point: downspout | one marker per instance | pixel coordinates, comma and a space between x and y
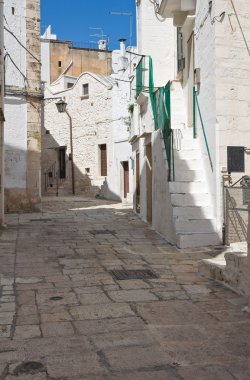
2, 119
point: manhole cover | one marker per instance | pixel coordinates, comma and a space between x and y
102, 232
56, 298
29, 368
139, 274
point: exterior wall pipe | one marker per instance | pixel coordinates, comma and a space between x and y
2, 112
72, 153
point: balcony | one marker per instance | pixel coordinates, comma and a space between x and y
177, 9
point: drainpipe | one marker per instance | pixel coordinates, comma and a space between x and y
2, 113
72, 153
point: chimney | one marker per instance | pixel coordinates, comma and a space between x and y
102, 45
123, 60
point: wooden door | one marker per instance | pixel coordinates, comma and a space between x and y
62, 163
103, 159
126, 178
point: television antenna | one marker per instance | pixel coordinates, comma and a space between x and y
130, 15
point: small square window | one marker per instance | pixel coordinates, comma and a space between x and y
85, 89
69, 85
87, 170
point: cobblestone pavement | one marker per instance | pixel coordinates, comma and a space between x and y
63, 315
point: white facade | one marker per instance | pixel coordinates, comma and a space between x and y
15, 128
100, 118
22, 105
188, 210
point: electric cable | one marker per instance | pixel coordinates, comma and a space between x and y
20, 43
7, 55
238, 20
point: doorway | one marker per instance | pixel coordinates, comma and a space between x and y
137, 191
125, 178
149, 181
62, 162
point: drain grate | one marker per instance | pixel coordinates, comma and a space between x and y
138, 274
56, 298
41, 220
102, 232
29, 368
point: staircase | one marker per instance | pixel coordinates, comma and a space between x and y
192, 211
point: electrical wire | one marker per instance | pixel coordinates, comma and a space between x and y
20, 43
7, 55
238, 20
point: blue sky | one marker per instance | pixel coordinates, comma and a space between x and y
71, 20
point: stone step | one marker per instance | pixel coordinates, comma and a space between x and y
189, 145
190, 199
197, 240
187, 155
213, 268
192, 212
188, 187
189, 175
187, 134
182, 164
195, 226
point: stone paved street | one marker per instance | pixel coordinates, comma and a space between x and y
63, 315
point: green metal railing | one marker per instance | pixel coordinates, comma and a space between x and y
140, 75
196, 105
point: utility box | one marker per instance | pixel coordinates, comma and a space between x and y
236, 159
245, 183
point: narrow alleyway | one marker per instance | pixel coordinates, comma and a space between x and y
64, 315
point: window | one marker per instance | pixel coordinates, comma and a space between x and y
85, 89
103, 159
69, 85
13, 10
59, 63
180, 58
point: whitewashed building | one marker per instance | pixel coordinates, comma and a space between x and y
98, 107
22, 105
200, 48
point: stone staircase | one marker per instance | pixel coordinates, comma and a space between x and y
192, 211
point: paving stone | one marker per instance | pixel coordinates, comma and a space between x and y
109, 325
167, 374
91, 299
132, 295
5, 331
133, 284
124, 358
71, 365
57, 329
206, 373
27, 332
110, 310
125, 338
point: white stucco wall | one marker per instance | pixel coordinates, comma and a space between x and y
156, 39
15, 127
92, 126
17, 24
45, 59
15, 142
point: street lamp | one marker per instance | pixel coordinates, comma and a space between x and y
61, 106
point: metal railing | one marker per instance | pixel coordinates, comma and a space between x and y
236, 215
52, 178
196, 104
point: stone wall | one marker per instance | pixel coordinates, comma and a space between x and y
95, 61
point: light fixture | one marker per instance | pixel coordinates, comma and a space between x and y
61, 106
